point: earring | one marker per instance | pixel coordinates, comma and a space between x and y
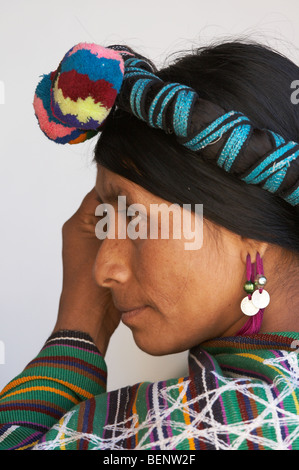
256, 299
260, 297
247, 306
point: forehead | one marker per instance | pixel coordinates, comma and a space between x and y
110, 185
106, 177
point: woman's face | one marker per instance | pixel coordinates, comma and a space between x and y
190, 295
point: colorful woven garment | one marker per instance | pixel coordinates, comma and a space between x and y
241, 393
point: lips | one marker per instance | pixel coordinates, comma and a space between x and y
123, 309
129, 315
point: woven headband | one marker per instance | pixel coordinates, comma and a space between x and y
73, 102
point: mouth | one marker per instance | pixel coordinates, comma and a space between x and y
129, 315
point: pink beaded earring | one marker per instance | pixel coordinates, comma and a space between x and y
257, 298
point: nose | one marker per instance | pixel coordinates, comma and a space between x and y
112, 263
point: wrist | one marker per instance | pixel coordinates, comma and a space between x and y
83, 317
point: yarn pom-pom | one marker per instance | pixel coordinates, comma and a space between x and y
72, 103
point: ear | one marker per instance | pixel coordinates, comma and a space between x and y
253, 247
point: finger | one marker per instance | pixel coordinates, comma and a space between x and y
89, 202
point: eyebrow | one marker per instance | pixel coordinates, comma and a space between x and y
112, 194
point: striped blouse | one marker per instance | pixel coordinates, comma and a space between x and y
240, 393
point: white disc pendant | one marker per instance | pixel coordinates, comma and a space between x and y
260, 299
248, 308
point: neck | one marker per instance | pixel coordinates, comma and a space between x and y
282, 312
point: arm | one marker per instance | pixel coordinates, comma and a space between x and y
57, 378
68, 370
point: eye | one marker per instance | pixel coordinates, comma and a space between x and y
132, 217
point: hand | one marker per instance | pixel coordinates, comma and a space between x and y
84, 305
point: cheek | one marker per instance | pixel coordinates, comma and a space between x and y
162, 268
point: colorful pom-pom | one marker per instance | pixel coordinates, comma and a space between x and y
73, 102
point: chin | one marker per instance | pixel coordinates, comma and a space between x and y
156, 347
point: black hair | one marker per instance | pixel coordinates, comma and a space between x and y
241, 75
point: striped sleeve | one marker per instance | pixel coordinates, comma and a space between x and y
68, 370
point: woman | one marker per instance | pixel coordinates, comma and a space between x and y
241, 391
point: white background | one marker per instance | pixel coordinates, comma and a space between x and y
42, 183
